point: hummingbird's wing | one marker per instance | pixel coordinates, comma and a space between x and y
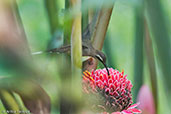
91, 28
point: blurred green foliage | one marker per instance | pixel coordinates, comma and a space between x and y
121, 39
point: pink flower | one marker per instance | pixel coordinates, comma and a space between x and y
146, 98
109, 93
130, 110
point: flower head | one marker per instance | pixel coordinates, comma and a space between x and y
108, 93
130, 110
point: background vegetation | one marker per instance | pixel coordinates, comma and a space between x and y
125, 46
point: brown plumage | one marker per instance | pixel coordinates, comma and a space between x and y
87, 50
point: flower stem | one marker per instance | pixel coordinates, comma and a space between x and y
76, 55
160, 33
151, 64
138, 57
52, 12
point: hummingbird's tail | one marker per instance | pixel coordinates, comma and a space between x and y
63, 49
37, 53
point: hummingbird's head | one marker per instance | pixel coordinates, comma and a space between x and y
102, 58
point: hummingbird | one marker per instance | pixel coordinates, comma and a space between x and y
87, 50
87, 47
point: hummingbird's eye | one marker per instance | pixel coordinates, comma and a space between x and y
99, 57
